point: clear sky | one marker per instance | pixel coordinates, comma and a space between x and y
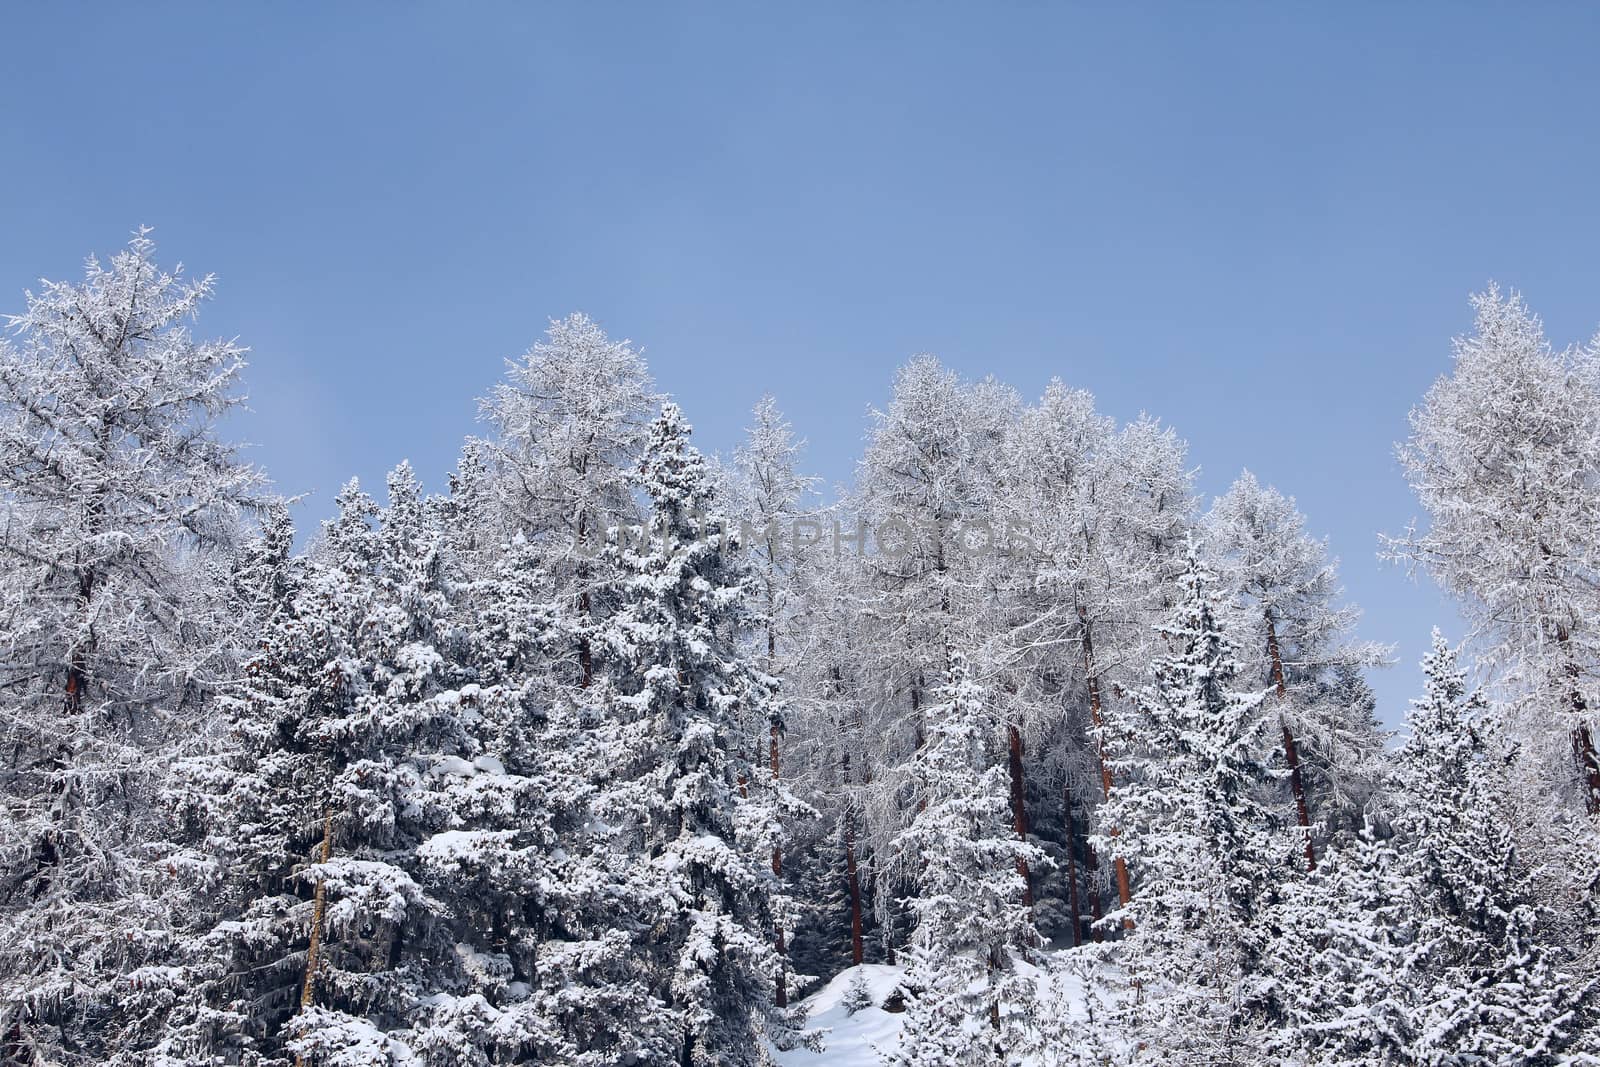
1260, 222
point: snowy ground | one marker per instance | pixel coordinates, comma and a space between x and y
850, 1040
859, 1040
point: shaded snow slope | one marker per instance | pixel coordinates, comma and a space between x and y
857, 1040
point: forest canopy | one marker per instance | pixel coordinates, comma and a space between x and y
615, 753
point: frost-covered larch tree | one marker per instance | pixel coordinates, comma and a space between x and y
570, 421
771, 495
1287, 589
967, 1003
1205, 847
1104, 511
1504, 456
685, 820
929, 471
122, 507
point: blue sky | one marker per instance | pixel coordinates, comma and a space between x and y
1260, 222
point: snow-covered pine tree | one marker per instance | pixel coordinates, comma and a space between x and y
967, 1003
1299, 637
1206, 849
679, 853
122, 509
857, 995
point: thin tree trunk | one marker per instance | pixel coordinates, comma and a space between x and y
921, 734
852, 875
782, 997
1097, 715
857, 953
1583, 750
585, 609
1291, 752
1072, 863
1019, 808
585, 649
1091, 860
313, 950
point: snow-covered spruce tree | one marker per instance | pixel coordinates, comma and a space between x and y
1299, 637
1492, 989
122, 508
386, 822
1336, 974
967, 1003
1429, 947
682, 915
1207, 852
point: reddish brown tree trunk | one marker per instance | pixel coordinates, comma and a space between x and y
1582, 740
1297, 782
1291, 753
1097, 715
854, 886
1019, 808
1583, 751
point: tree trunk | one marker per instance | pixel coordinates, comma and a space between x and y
1097, 716
921, 734
1291, 753
1582, 740
1019, 808
1072, 863
782, 997
1583, 751
1091, 860
585, 609
1297, 782
313, 950
78, 658
854, 885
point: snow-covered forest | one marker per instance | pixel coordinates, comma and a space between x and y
1015, 751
